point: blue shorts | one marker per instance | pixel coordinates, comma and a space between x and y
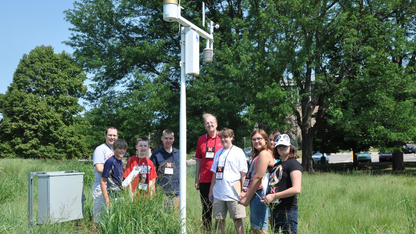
259, 212
287, 220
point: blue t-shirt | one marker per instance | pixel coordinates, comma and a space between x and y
113, 170
167, 168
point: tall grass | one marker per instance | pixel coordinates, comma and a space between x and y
330, 202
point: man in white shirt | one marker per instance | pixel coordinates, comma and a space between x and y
101, 154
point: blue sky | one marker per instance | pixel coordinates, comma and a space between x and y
25, 24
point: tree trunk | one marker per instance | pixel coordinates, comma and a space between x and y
397, 161
307, 139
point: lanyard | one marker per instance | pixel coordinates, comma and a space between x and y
250, 171
225, 160
147, 168
215, 142
253, 164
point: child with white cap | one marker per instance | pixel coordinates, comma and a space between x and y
285, 183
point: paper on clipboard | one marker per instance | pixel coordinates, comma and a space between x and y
136, 170
236, 191
237, 188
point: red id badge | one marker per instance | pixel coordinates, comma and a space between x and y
219, 175
169, 169
210, 153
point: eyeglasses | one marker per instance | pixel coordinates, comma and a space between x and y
256, 139
209, 123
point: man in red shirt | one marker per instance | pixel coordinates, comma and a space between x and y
208, 144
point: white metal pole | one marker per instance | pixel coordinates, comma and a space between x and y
182, 133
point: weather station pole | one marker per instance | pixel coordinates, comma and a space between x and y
189, 66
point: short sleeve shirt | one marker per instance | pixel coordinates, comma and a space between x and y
288, 203
163, 162
113, 170
101, 154
147, 172
234, 162
205, 141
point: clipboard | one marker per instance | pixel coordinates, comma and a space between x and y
236, 191
237, 188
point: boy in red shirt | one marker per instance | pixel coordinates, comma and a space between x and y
145, 181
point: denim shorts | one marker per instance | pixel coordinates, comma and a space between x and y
259, 212
287, 220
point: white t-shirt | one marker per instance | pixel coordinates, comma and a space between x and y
101, 154
235, 163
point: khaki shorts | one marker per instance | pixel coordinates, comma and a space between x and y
219, 209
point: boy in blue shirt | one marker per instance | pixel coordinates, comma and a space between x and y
112, 175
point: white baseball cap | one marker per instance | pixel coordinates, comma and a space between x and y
283, 139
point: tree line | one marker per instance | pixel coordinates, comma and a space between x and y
341, 71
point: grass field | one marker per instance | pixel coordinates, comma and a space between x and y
333, 200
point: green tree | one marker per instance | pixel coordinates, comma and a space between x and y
375, 99
40, 109
330, 45
122, 42
273, 59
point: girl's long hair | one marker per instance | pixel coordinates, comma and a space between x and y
254, 151
292, 153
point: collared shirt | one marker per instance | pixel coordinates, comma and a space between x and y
206, 163
163, 160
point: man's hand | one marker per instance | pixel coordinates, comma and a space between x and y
197, 185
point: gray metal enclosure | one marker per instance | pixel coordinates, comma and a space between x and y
60, 196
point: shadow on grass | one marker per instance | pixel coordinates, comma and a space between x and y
373, 168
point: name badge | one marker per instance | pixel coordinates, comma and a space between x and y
219, 175
168, 171
209, 155
143, 186
246, 182
210, 152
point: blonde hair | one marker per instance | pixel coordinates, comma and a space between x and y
206, 115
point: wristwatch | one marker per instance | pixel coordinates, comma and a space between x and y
244, 190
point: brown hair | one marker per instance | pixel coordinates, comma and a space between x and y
168, 131
106, 130
142, 138
226, 132
120, 144
292, 154
263, 134
274, 134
